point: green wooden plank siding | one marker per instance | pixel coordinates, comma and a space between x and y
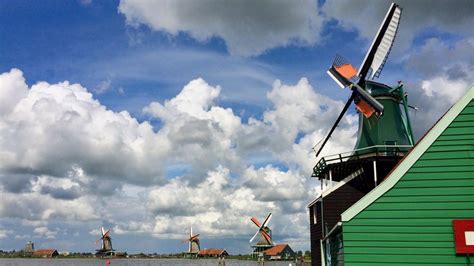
411, 224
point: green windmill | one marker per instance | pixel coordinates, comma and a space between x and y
384, 137
381, 120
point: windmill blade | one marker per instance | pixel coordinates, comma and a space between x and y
267, 220
338, 78
344, 110
381, 45
367, 104
194, 237
251, 239
102, 230
256, 222
267, 236
106, 233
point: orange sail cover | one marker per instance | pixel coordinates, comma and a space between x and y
347, 71
365, 108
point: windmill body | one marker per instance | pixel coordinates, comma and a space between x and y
384, 137
390, 128
106, 249
193, 244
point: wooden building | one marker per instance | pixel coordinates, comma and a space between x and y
279, 252
45, 253
408, 218
213, 252
378, 149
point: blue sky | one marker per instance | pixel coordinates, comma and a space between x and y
197, 114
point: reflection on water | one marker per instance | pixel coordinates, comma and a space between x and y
134, 262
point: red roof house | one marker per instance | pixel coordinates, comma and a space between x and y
279, 252
213, 252
45, 253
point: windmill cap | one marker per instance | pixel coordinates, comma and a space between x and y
377, 89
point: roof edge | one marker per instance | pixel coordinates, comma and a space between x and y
410, 159
335, 187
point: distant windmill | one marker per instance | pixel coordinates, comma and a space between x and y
193, 241
106, 249
265, 241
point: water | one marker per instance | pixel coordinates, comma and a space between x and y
134, 262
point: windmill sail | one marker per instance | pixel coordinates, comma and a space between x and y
381, 45
263, 229
106, 247
193, 242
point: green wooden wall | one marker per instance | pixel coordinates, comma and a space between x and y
411, 224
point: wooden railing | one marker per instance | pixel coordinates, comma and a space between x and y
372, 151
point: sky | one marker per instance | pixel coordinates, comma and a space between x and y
149, 117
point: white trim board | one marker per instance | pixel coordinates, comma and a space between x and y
410, 159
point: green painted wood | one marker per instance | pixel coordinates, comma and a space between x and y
407, 237
458, 131
455, 137
460, 154
437, 175
376, 222
437, 198
400, 229
465, 181
446, 162
425, 206
432, 259
431, 191
438, 169
463, 118
401, 250
406, 214
397, 264
466, 124
463, 145
397, 244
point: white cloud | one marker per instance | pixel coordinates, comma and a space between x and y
13, 88
446, 16
445, 72
247, 27
4, 233
195, 101
45, 232
78, 161
103, 86
220, 206
34, 206
56, 128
